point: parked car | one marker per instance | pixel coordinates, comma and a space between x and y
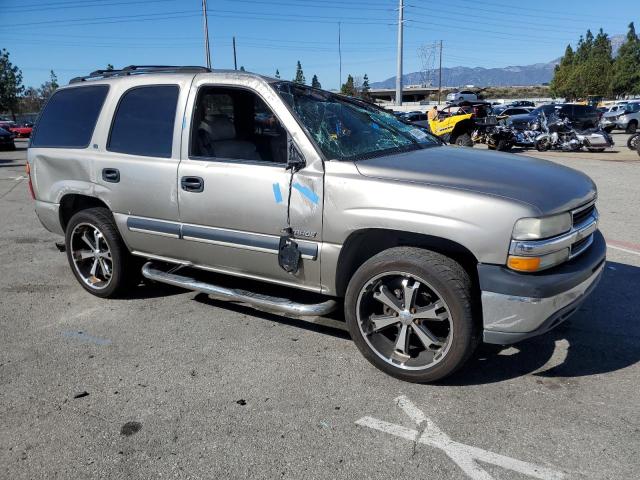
417, 118
626, 117
580, 116
6, 140
507, 111
462, 96
432, 248
521, 103
22, 129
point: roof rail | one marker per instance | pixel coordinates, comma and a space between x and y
139, 69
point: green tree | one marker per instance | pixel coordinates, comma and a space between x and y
299, 74
561, 85
315, 83
109, 66
10, 84
242, 68
348, 88
47, 88
277, 73
597, 69
364, 90
625, 78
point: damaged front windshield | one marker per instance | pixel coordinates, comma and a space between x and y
350, 129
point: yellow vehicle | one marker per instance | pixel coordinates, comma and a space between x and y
455, 123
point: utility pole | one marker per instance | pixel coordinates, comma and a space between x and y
235, 60
440, 74
207, 52
399, 71
340, 57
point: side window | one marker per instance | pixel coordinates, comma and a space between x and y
236, 124
144, 120
69, 118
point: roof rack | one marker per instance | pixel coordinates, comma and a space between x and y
139, 69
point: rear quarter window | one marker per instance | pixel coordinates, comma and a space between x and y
144, 120
69, 117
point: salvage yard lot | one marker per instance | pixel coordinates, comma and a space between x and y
169, 383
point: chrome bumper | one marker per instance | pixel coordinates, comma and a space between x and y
509, 319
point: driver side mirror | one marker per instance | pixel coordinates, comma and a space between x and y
295, 160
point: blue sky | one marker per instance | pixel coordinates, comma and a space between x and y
74, 37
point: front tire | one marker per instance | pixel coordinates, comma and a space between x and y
543, 145
410, 313
633, 141
464, 140
504, 146
96, 253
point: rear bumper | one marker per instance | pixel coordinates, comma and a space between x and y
518, 306
48, 214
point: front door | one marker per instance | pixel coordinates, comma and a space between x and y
234, 186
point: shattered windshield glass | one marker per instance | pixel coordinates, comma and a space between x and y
349, 129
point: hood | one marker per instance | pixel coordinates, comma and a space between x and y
613, 114
543, 184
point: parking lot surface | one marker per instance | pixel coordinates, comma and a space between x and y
169, 384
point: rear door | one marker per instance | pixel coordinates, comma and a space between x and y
136, 167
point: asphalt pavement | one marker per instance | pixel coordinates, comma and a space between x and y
170, 384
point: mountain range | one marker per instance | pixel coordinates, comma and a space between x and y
535, 74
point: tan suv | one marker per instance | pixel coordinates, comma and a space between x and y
431, 248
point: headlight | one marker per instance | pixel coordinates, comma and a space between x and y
539, 228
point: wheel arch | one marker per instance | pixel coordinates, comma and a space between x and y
463, 126
72, 203
364, 244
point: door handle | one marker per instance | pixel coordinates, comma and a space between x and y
111, 175
192, 184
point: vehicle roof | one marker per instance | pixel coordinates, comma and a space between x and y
146, 77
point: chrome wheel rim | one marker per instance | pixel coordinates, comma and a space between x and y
404, 320
91, 256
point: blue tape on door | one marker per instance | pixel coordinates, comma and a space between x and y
277, 194
307, 192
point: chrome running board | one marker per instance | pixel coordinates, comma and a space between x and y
258, 301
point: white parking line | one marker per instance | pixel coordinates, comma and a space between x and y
465, 456
634, 252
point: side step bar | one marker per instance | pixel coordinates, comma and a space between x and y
255, 300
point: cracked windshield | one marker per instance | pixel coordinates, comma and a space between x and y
347, 129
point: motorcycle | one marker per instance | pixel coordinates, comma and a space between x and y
557, 134
497, 137
526, 137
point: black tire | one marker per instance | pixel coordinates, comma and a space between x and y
504, 146
633, 141
123, 265
543, 145
448, 280
632, 127
464, 140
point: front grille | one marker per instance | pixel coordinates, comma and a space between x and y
581, 245
580, 215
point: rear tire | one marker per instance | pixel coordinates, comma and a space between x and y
464, 140
504, 146
425, 295
97, 254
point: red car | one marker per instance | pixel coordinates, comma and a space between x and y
22, 130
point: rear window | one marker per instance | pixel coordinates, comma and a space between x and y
69, 117
143, 123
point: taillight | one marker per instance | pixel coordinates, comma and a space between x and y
28, 170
